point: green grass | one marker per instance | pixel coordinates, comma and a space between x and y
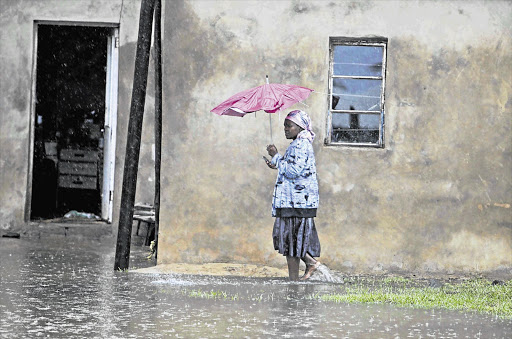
212, 295
473, 295
261, 297
396, 280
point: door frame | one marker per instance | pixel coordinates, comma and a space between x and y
111, 106
110, 127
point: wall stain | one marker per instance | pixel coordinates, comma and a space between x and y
354, 6
410, 206
301, 7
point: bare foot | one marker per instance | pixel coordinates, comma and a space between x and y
310, 269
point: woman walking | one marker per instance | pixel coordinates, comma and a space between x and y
295, 198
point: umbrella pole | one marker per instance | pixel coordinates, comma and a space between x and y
269, 117
270, 120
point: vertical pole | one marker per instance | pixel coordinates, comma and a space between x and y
269, 116
131, 163
158, 115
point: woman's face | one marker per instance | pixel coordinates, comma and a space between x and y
291, 129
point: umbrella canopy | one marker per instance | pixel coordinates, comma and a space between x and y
269, 97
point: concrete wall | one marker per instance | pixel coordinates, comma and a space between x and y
17, 37
436, 198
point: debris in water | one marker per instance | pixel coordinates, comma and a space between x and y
11, 235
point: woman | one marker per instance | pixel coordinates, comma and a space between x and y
295, 197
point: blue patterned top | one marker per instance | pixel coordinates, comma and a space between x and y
296, 184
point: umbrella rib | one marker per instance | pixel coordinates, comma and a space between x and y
275, 98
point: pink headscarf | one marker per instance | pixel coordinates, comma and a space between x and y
302, 119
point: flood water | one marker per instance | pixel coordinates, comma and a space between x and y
63, 289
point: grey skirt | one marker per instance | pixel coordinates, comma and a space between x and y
296, 236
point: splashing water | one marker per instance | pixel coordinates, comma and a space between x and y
323, 273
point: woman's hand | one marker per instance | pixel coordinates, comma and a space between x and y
269, 164
272, 150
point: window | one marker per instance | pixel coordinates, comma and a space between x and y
356, 92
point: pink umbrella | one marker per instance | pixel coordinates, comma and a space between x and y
269, 97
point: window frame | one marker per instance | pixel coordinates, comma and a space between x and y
362, 41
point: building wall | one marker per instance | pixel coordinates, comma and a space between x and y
436, 198
17, 39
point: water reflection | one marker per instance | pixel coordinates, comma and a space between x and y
62, 290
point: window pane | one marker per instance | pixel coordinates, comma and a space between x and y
355, 121
341, 120
356, 136
357, 94
355, 128
369, 121
358, 60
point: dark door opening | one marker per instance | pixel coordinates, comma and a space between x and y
69, 120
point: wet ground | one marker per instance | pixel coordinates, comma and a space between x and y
65, 288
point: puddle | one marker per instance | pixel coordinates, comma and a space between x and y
60, 289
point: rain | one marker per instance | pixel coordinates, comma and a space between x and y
61, 287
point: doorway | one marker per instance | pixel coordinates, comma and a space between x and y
74, 122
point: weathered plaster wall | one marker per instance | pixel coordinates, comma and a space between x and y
436, 198
17, 55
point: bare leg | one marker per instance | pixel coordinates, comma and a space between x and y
311, 266
293, 267
308, 259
